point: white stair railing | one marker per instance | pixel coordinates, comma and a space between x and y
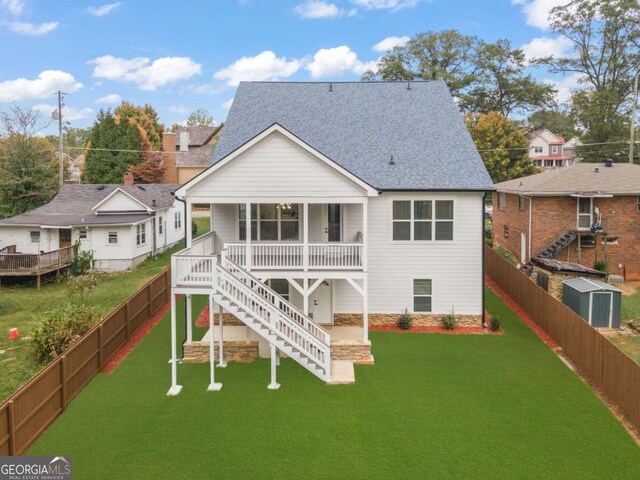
282, 330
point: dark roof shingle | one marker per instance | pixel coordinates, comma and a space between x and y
360, 125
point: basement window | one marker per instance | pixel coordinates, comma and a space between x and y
610, 241
422, 295
587, 241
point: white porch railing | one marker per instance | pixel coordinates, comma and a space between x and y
195, 266
297, 256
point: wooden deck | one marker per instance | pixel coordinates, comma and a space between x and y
13, 264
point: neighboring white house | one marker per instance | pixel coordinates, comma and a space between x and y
121, 224
548, 151
334, 206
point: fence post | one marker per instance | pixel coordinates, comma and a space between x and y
12, 428
149, 299
100, 352
167, 285
127, 312
63, 380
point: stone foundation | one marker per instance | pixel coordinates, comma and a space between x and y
352, 351
198, 352
419, 319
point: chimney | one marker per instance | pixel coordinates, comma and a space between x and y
128, 180
608, 162
169, 157
184, 141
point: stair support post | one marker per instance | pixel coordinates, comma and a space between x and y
213, 386
221, 362
274, 385
189, 316
175, 388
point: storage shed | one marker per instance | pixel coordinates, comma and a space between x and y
595, 301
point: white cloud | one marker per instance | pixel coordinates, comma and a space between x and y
227, 105
389, 43
68, 113
393, 5
139, 71
14, 7
103, 10
314, 9
179, 109
337, 61
111, 98
264, 66
536, 12
565, 86
32, 29
42, 87
545, 47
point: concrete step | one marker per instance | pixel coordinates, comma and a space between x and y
342, 373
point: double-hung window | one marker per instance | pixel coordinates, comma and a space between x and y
422, 294
35, 236
113, 238
421, 220
141, 234
82, 234
160, 225
177, 220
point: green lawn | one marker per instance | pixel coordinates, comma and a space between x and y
630, 311
433, 406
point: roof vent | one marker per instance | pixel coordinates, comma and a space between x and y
408, 85
331, 87
608, 162
153, 202
391, 161
141, 188
100, 187
596, 170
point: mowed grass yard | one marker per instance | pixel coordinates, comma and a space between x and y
21, 306
630, 311
433, 406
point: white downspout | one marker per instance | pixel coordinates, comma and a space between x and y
530, 221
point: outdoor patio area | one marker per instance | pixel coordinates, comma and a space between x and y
432, 406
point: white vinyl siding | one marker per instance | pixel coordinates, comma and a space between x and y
121, 202
276, 167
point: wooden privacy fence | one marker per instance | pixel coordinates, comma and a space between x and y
606, 366
29, 411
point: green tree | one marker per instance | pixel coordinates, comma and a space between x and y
74, 140
502, 145
28, 167
555, 121
114, 146
483, 77
503, 86
146, 117
605, 36
200, 118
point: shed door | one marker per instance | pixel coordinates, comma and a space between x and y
601, 309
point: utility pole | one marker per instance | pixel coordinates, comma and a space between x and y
634, 105
60, 152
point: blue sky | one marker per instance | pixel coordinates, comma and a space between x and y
179, 56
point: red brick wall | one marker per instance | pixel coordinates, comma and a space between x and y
554, 215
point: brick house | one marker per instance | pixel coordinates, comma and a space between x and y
586, 213
187, 152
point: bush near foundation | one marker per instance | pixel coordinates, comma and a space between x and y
405, 320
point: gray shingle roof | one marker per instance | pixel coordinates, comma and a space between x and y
360, 125
73, 203
197, 135
195, 157
621, 178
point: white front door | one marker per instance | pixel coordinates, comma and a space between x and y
523, 248
320, 304
332, 222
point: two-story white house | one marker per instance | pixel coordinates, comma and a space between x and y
334, 207
548, 150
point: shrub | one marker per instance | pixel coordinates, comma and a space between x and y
82, 263
494, 322
405, 320
507, 255
60, 328
449, 321
83, 284
601, 265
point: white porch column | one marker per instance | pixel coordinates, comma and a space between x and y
305, 236
365, 308
221, 362
175, 388
305, 295
187, 225
274, 385
213, 386
248, 239
365, 235
189, 318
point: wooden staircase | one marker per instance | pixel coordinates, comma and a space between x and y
557, 245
